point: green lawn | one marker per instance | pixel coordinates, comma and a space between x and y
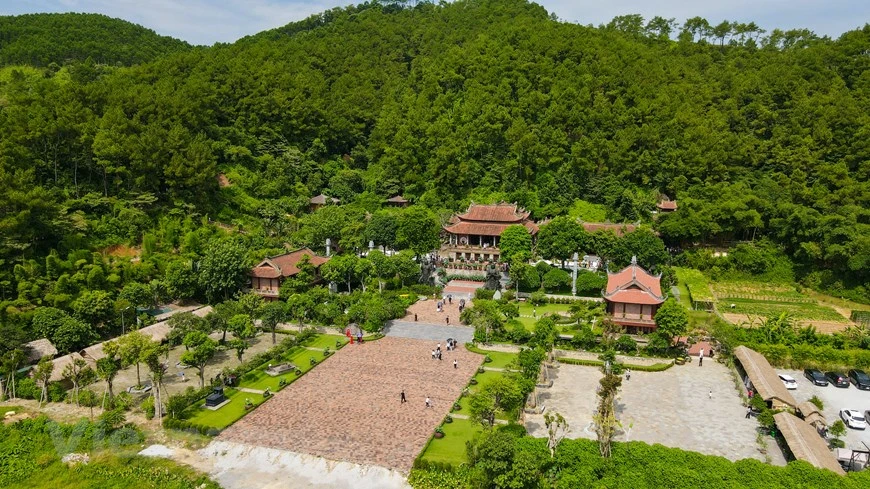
527, 309
258, 379
500, 359
451, 448
325, 340
226, 415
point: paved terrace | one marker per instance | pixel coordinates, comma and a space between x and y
348, 408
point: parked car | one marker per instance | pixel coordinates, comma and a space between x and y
816, 377
838, 379
860, 379
853, 419
788, 381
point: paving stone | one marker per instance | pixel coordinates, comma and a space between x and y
431, 332
348, 408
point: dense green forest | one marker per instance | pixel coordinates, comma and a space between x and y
757, 135
42, 39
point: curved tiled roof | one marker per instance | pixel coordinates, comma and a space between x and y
502, 212
634, 285
285, 265
487, 228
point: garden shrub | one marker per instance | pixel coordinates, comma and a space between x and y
556, 279
538, 298
484, 294
518, 333
626, 344
26, 388
148, 407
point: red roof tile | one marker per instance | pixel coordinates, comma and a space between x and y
502, 212
486, 229
667, 205
634, 285
285, 265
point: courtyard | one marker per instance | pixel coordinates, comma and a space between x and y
348, 408
688, 407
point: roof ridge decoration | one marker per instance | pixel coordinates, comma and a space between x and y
634, 282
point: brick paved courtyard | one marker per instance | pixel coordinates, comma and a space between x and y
348, 408
427, 311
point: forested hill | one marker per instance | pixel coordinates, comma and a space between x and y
41, 39
758, 135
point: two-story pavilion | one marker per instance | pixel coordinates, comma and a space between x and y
474, 234
633, 297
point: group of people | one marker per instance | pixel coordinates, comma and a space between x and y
451, 345
403, 399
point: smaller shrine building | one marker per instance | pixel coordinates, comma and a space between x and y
633, 297
269, 274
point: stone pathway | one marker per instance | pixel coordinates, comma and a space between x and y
588, 355
250, 391
428, 331
427, 311
348, 409
465, 416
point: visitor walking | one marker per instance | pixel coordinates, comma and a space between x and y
628, 374
711, 393
748, 411
403, 397
415, 317
428, 402
701, 357
433, 354
455, 364
448, 319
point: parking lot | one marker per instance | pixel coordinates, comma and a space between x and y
834, 399
689, 407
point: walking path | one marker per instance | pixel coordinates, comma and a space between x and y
250, 391
588, 355
426, 331
465, 416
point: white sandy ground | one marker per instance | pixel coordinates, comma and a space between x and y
239, 466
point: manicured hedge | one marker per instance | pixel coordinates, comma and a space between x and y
658, 367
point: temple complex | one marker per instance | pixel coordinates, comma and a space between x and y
474, 234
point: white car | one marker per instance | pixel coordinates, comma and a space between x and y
853, 419
788, 380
